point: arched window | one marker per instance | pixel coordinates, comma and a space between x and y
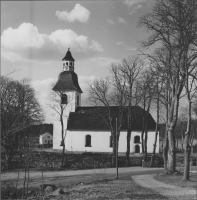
64, 99
88, 141
137, 139
137, 148
110, 141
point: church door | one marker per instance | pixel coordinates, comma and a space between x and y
137, 149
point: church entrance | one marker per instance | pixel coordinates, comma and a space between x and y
137, 148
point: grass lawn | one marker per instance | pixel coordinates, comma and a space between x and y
177, 180
122, 188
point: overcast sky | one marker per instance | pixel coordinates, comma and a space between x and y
35, 36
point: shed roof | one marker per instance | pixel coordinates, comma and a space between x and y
45, 134
67, 81
87, 118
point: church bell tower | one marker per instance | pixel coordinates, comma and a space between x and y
68, 84
68, 61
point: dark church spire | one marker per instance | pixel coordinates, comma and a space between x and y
68, 56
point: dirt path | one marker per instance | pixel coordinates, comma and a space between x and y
52, 173
70, 177
170, 191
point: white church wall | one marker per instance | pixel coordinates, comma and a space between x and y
72, 101
75, 141
57, 134
151, 141
71, 106
100, 141
77, 102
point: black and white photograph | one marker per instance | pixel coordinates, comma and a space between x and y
99, 100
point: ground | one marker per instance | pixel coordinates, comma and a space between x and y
122, 188
125, 187
176, 180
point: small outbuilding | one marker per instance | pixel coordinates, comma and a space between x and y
46, 138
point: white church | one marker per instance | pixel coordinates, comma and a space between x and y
86, 132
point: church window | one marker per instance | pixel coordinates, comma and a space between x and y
70, 64
88, 141
67, 63
110, 141
137, 139
63, 64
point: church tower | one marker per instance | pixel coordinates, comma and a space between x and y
68, 85
68, 82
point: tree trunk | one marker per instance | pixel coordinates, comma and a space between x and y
187, 147
63, 142
63, 151
182, 142
143, 128
114, 151
171, 151
156, 133
145, 145
146, 130
166, 143
8, 156
128, 146
130, 121
142, 139
165, 152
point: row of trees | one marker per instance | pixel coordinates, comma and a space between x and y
131, 83
162, 77
173, 28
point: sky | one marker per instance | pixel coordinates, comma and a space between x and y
35, 36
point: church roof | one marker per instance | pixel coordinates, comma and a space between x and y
67, 81
87, 118
68, 56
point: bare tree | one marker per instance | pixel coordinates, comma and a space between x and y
61, 111
105, 93
128, 72
159, 86
19, 109
147, 88
173, 26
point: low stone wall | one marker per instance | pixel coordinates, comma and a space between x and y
72, 161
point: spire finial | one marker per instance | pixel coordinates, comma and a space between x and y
68, 48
